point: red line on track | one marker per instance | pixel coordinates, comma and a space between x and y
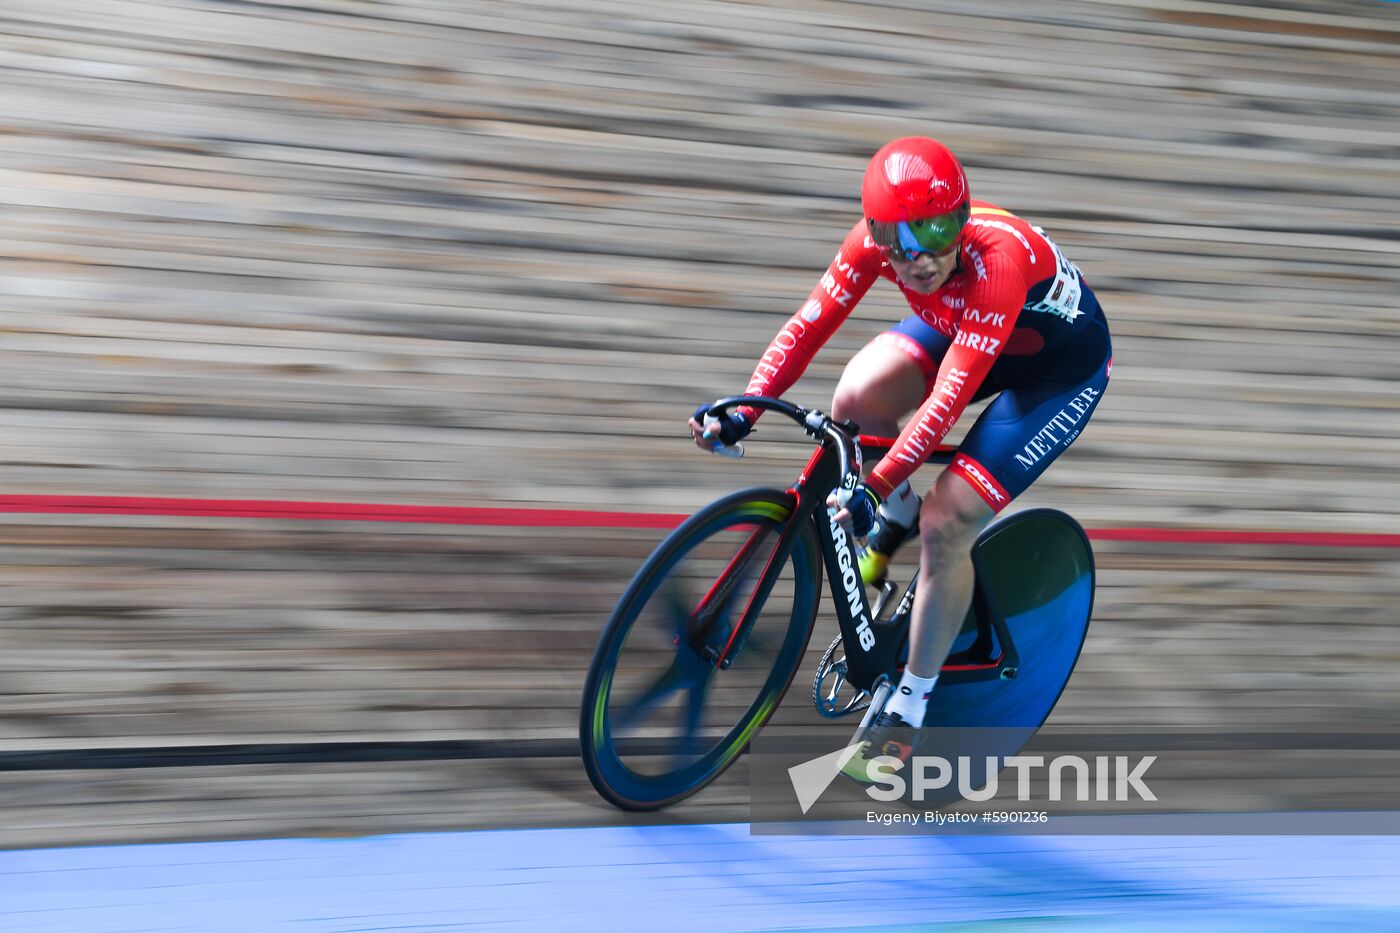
574, 518
335, 511
1222, 536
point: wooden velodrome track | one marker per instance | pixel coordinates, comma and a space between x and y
488, 253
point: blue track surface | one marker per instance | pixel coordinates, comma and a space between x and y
704, 878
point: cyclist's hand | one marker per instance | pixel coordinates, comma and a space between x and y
718, 432
860, 509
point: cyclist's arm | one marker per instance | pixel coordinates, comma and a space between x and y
845, 282
992, 306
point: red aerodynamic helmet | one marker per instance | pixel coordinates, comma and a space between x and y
915, 197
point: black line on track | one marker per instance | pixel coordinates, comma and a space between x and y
297, 753
202, 756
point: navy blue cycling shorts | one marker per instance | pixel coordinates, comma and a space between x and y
1042, 404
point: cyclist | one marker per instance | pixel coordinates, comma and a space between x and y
998, 311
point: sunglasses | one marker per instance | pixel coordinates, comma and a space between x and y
907, 240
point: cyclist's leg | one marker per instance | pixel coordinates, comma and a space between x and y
1020, 433
892, 375
1035, 418
885, 381
952, 516
950, 519
889, 377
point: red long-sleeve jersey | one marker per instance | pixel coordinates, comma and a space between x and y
1005, 266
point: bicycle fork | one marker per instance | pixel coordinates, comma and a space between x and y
729, 585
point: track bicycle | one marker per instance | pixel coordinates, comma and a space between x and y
711, 631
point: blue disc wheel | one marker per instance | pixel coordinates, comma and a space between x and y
1017, 648
1035, 570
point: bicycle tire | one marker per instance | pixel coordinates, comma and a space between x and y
766, 511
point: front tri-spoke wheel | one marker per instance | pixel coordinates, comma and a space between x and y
699, 651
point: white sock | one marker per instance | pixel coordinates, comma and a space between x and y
902, 507
911, 698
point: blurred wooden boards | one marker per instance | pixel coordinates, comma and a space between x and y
173, 632
492, 219
478, 253
193, 631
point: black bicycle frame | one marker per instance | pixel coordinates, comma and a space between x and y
872, 646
